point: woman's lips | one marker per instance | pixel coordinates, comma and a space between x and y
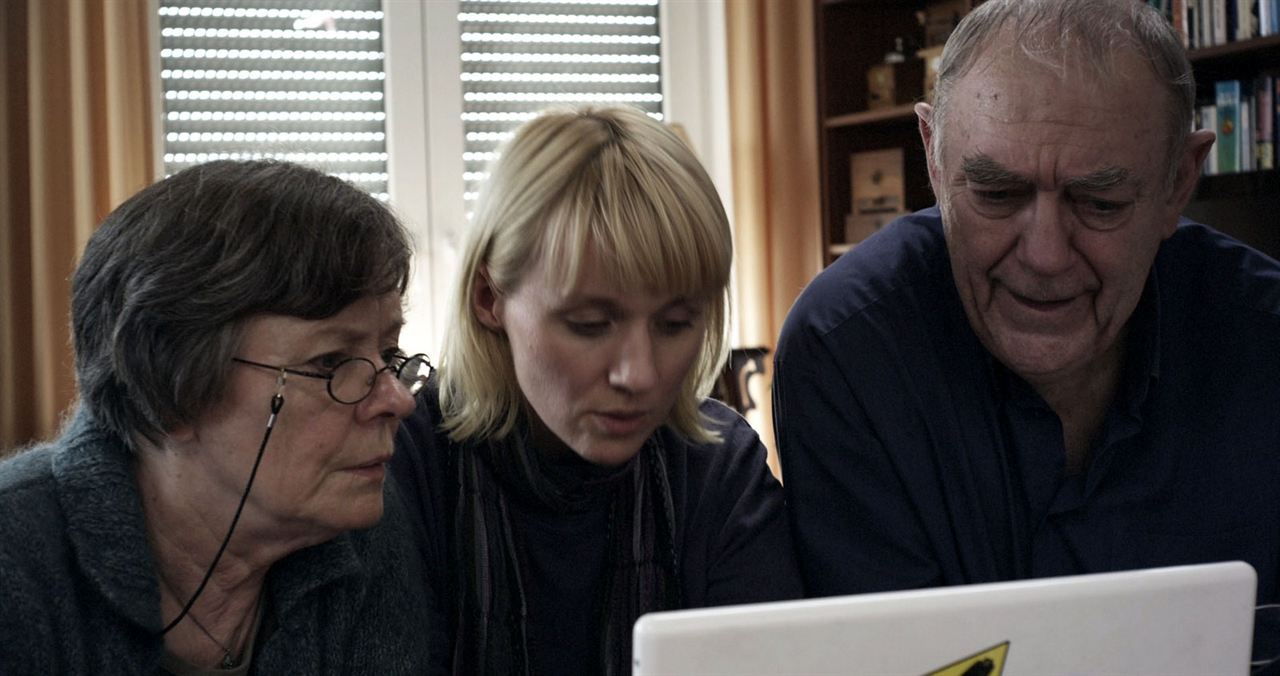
374, 469
621, 423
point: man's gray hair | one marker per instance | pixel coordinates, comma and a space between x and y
1061, 33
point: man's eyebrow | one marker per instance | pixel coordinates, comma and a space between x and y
984, 170
1103, 179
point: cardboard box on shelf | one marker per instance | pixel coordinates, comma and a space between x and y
932, 57
893, 84
940, 18
877, 191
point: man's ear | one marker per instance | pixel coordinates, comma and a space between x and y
1199, 143
924, 119
486, 300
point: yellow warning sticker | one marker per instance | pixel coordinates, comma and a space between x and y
989, 662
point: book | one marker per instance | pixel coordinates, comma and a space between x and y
1197, 26
1209, 120
1204, 27
1227, 102
1244, 132
1264, 96
1219, 22
1192, 22
1178, 16
1275, 117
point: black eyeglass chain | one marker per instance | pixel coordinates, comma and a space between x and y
277, 402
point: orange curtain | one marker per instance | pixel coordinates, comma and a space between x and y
774, 138
75, 140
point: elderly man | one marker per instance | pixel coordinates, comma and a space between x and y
1049, 373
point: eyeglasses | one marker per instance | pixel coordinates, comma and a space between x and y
352, 380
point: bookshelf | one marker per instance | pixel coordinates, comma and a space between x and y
1242, 204
852, 35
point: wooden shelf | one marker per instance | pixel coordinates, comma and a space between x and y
887, 3
1243, 51
1241, 185
904, 111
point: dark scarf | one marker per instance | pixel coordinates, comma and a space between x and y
641, 570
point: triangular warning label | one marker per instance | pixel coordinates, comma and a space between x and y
989, 662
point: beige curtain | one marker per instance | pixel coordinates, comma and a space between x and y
777, 215
75, 140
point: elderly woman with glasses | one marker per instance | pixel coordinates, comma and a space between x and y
569, 472
218, 500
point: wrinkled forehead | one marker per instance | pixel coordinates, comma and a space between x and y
1055, 73
1008, 98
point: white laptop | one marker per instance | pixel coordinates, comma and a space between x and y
1191, 620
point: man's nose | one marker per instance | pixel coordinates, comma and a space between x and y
1045, 246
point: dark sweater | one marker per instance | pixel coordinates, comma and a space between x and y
732, 534
78, 589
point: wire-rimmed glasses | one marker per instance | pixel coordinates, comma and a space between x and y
352, 380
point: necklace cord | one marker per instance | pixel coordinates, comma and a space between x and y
277, 402
228, 661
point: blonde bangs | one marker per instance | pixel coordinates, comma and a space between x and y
651, 234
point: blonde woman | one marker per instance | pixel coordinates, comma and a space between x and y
569, 471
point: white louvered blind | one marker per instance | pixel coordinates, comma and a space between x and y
300, 80
520, 56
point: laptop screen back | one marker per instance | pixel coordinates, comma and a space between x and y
1178, 620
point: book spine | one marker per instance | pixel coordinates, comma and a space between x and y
1244, 136
1265, 106
1209, 120
1178, 15
1275, 115
1193, 24
1228, 105
1219, 23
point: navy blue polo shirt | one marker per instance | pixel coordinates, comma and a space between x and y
912, 459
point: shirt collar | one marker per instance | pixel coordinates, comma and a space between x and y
93, 470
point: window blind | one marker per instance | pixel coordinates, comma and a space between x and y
300, 80
520, 56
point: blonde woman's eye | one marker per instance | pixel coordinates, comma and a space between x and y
675, 326
588, 329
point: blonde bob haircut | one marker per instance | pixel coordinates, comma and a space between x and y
609, 178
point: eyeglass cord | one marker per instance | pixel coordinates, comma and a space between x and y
277, 402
